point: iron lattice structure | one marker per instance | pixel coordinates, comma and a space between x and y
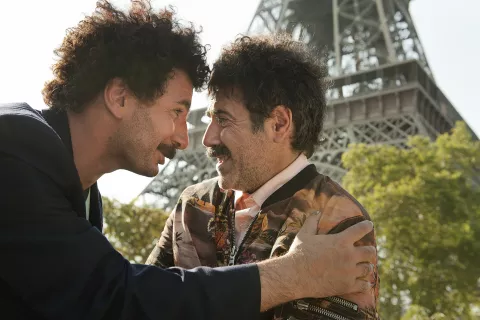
382, 86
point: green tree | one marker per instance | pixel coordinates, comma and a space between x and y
415, 312
131, 229
425, 203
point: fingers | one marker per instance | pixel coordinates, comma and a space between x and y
366, 254
364, 269
361, 286
357, 231
311, 224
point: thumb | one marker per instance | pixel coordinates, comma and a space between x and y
357, 231
311, 224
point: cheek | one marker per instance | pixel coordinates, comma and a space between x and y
243, 148
223, 134
256, 153
164, 128
232, 139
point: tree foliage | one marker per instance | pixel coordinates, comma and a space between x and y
131, 229
425, 203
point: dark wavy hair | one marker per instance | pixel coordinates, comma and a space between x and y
141, 46
269, 71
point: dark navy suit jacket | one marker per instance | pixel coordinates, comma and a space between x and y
54, 264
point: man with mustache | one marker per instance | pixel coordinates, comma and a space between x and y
119, 99
268, 112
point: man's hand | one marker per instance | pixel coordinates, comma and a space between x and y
318, 266
330, 265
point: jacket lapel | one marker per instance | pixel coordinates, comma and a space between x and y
96, 207
292, 186
59, 122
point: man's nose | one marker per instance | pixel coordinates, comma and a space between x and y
212, 135
180, 135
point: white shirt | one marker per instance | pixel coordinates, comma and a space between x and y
254, 202
87, 206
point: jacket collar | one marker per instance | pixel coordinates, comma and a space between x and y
292, 186
58, 120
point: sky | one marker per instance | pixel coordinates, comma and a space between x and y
31, 29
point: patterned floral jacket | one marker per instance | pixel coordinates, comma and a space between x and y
200, 232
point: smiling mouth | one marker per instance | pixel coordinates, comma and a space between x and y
167, 151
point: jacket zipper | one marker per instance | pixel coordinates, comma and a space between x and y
299, 304
343, 302
305, 306
234, 250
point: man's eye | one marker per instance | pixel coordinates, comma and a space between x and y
221, 121
177, 112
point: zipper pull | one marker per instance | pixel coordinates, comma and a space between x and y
301, 305
231, 261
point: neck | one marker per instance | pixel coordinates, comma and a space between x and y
286, 160
89, 142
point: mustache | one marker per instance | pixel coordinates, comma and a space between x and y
218, 151
167, 150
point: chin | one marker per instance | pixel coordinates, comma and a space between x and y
225, 183
153, 172
150, 172
222, 183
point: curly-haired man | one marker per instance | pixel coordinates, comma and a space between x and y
119, 99
270, 101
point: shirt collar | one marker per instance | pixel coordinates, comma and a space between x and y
272, 185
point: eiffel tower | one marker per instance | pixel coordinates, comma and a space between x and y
382, 89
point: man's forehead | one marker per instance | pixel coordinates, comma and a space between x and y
229, 93
224, 106
227, 100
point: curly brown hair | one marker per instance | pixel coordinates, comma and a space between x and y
141, 47
269, 71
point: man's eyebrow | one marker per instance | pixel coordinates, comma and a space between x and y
212, 112
186, 103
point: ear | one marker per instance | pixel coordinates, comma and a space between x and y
281, 123
115, 96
